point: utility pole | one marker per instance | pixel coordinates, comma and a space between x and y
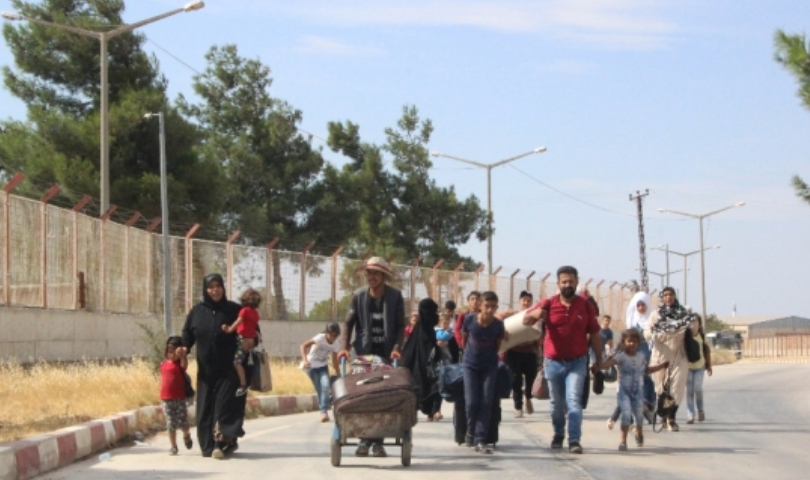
642, 249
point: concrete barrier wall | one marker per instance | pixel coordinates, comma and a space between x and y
28, 334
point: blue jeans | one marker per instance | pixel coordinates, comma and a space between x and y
632, 407
694, 391
320, 380
566, 381
649, 385
479, 397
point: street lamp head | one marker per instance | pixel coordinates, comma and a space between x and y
11, 16
661, 210
739, 204
716, 246
436, 154
539, 149
192, 6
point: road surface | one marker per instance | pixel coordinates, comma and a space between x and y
758, 426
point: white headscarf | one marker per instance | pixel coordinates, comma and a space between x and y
635, 319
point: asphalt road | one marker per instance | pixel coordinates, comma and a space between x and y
758, 426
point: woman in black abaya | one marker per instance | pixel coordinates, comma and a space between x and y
220, 413
419, 357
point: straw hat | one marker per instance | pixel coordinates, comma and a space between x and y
380, 265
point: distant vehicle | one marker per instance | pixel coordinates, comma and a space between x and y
726, 340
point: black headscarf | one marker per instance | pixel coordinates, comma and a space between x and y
672, 318
206, 299
418, 354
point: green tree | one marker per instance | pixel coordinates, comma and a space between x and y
57, 76
278, 184
793, 53
714, 324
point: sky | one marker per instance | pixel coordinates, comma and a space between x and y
683, 98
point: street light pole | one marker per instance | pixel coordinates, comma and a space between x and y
662, 275
164, 212
702, 250
488, 168
685, 257
103, 38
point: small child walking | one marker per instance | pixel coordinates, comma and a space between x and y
444, 334
315, 353
632, 368
697, 370
246, 327
173, 392
412, 322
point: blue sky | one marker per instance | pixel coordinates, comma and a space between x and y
680, 97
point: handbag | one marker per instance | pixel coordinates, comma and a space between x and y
666, 404
261, 380
187, 385
691, 346
540, 386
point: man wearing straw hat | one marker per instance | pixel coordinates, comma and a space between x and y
377, 315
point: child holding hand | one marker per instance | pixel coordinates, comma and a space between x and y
173, 391
632, 368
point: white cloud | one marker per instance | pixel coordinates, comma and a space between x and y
622, 24
315, 45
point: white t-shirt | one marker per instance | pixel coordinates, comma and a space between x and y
318, 355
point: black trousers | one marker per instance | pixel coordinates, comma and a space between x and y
522, 365
218, 406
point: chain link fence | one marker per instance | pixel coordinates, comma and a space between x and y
59, 258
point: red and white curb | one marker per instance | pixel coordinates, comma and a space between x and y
35, 455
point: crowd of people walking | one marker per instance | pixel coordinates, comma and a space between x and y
660, 358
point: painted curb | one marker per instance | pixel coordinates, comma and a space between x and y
44, 453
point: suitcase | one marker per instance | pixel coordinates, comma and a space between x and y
384, 391
460, 422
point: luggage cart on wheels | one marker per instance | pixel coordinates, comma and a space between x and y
377, 404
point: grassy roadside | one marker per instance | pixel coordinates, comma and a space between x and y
723, 357
48, 396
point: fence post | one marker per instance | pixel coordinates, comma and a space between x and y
612, 303
189, 264
10, 186
302, 302
477, 274
134, 218
435, 293
529, 282
102, 268
75, 248
414, 267
150, 247
269, 278
456, 281
229, 261
598, 289
43, 214
512, 288
337, 252
493, 279
543, 294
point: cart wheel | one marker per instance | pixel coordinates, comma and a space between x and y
336, 451
406, 449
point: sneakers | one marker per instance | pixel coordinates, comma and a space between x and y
468, 440
610, 423
173, 451
241, 391
701, 416
622, 447
529, 406
378, 451
690, 420
362, 450
481, 448
557, 442
518, 413
574, 447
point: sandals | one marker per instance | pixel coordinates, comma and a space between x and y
623, 447
187, 442
639, 439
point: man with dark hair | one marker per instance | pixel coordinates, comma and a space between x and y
568, 320
473, 306
522, 361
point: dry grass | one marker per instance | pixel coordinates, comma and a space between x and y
723, 357
48, 396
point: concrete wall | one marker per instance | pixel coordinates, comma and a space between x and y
28, 334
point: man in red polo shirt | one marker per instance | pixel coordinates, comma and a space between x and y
568, 321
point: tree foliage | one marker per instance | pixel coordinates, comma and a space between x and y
793, 53
57, 75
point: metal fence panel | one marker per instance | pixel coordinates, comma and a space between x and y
59, 250
25, 271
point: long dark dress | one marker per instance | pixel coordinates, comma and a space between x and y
217, 404
419, 357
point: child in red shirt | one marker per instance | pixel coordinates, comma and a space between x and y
173, 392
246, 327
